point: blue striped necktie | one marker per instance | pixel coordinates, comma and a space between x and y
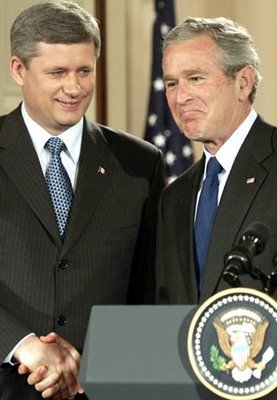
206, 211
58, 183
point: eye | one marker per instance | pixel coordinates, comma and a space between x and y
170, 85
85, 71
196, 78
57, 73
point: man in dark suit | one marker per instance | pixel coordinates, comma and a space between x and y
211, 77
49, 280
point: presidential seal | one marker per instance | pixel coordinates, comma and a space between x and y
232, 344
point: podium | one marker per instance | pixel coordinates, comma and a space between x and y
225, 348
139, 353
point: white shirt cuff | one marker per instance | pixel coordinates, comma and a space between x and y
9, 357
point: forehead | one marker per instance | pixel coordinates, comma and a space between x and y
61, 50
199, 50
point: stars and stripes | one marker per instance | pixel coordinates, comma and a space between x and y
161, 129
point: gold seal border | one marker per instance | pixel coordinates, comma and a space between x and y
190, 341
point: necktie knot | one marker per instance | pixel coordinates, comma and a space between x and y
213, 167
55, 145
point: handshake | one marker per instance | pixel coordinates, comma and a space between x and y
52, 364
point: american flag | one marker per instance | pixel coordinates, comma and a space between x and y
161, 129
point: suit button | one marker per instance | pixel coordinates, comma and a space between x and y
63, 264
62, 320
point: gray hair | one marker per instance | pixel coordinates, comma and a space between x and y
234, 41
61, 22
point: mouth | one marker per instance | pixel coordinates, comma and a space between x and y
190, 112
68, 104
190, 115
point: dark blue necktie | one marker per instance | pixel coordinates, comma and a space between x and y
58, 183
206, 211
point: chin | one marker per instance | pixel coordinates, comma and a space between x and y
193, 135
68, 123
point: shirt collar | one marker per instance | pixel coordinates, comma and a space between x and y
72, 137
228, 151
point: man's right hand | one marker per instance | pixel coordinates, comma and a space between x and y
52, 368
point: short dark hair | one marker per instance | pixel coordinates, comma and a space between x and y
49, 22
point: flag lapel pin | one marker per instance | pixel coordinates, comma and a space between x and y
251, 180
101, 170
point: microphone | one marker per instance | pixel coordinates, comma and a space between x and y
239, 260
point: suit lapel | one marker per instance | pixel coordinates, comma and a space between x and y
19, 159
95, 171
245, 180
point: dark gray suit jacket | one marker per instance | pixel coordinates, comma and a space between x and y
244, 200
107, 256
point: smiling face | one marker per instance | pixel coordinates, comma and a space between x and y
58, 84
206, 104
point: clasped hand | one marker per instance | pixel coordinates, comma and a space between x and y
52, 364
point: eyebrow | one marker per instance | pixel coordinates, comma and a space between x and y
185, 73
65, 68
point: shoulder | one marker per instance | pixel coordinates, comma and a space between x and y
262, 129
2, 119
14, 115
261, 123
10, 124
118, 138
182, 189
191, 175
6, 117
126, 148
261, 140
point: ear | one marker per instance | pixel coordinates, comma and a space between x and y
17, 70
245, 81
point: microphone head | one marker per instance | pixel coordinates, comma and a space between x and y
256, 234
239, 260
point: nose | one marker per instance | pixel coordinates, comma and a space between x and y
183, 93
71, 86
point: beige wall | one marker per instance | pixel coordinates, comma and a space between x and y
129, 35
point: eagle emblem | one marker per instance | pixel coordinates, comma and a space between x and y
241, 333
